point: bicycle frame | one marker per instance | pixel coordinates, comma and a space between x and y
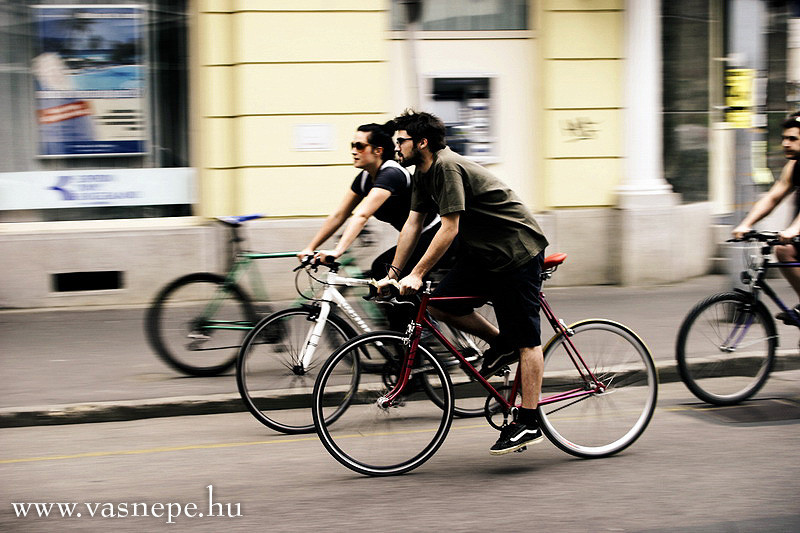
332, 294
760, 283
241, 263
591, 384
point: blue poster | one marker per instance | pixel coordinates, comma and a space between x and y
90, 80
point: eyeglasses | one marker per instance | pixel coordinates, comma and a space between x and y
401, 140
359, 146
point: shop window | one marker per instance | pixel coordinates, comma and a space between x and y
91, 85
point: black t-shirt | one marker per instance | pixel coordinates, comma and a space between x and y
395, 179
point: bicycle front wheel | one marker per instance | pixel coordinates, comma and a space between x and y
197, 323
603, 423
371, 438
726, 348
273, 380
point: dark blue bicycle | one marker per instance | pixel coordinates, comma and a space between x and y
726, 345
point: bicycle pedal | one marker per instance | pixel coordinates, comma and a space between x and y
520, 450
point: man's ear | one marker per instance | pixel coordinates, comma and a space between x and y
422, 143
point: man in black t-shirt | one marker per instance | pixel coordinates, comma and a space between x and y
788, 183
500, 257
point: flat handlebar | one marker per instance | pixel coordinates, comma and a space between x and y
771, 238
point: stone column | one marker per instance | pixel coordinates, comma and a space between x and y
643, 182
659, 241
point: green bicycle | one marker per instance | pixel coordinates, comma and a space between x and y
197, 323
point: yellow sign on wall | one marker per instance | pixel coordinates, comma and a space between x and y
739, 97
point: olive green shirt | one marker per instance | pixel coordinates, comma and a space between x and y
496, 230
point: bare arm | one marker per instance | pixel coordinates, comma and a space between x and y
333, 222
374, 200
764, 206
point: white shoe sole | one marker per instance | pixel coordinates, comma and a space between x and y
517, 446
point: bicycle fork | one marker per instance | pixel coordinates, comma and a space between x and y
312, 338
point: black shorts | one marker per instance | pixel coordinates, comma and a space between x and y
514, 293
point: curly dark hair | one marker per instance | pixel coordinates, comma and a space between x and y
422, 125
792, 121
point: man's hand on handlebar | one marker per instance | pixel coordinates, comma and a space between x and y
410, 284
407, 286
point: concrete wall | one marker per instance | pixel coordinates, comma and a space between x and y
149, 256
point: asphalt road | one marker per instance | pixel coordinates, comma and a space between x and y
695, 469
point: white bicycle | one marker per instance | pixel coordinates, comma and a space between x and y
279, 359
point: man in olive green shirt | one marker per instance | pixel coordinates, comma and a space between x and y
501, 250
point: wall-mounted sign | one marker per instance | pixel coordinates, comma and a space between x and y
97, 188
313, 138
739, 99
90, 80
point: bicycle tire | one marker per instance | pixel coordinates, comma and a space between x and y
710, 368
275, 390
371, 439
176, 313
600, 424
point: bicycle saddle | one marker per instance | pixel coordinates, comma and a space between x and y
238, 219
554, 260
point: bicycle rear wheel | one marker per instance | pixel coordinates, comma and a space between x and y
197, 323
726, 348
372, 439
598, 424
274, 384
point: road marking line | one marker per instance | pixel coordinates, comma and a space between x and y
153, 450
239, 444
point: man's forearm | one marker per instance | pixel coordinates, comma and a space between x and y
438, 247
406, 242
761, 209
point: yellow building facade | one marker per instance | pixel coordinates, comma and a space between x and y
278, 87
273, 77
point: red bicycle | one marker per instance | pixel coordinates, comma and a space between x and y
598, 394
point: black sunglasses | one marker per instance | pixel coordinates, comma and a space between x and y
401, 140
359, 146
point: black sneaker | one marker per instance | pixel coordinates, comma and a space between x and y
493, 361
785, 318
515, 436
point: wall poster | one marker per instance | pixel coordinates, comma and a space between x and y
90, 80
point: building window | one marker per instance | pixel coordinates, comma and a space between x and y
687, 96
465, 106
465, 15
92, 85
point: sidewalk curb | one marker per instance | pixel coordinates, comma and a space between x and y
127, 410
